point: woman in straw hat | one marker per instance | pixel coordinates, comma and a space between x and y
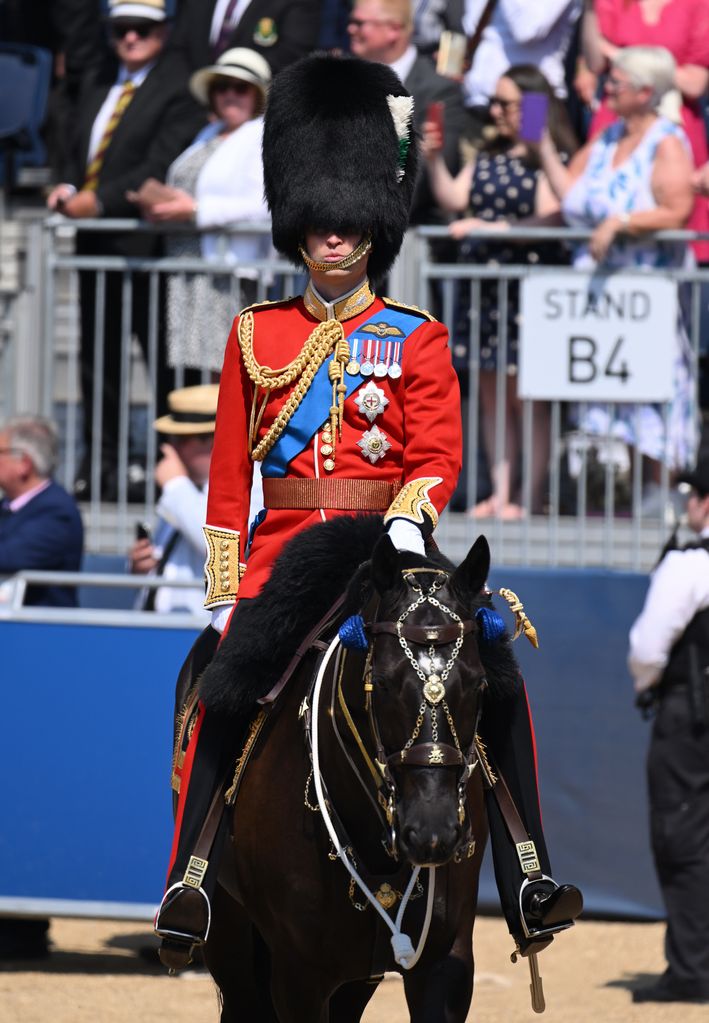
216, 181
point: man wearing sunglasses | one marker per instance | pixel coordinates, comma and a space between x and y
135, 115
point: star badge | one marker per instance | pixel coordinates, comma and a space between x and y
374, 444
371, 401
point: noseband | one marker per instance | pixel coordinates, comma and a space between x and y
415, 753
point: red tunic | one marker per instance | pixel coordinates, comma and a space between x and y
421, 422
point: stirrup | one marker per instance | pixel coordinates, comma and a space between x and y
182, 929
532, 932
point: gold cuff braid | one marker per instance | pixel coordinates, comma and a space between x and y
222, 568
413, 500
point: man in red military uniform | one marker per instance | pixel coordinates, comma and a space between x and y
349, 401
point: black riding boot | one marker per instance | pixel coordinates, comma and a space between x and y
535, 906
183, 919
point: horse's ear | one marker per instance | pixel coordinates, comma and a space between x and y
385, 565
470, 576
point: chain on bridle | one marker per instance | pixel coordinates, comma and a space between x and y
433, 673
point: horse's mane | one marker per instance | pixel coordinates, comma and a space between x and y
313, 570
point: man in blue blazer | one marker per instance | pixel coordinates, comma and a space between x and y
40, 524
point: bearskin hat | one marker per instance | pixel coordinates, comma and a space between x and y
339, 153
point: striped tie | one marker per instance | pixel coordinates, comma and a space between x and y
93, 170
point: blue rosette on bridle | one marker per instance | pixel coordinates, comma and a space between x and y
490, 623
352, 634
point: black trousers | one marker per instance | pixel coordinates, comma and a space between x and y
507, 732
678, 783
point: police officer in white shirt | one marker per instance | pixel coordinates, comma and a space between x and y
669, 662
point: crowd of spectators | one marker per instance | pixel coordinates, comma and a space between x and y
468, 65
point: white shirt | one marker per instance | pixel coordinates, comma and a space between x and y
104, 114
230, 189
519, 32
183, 508
679, 588
406, 61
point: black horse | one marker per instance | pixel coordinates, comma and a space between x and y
368, 779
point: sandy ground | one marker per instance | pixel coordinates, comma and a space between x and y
95, 975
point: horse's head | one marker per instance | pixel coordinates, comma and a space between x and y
423, 685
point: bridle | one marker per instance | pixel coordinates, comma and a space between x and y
416, 753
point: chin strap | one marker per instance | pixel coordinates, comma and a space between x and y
342, 264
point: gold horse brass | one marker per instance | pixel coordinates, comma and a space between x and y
434, 690
386, 896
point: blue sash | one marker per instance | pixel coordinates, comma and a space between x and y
313, 410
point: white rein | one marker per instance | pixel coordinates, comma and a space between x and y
404, 953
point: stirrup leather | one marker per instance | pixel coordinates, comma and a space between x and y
182, 936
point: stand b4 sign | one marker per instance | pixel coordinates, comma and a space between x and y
597, 337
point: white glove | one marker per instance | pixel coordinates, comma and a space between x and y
220, 617
406, 536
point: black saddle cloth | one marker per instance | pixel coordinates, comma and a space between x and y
314, 569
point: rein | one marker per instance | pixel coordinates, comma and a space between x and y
402, 946
433, 674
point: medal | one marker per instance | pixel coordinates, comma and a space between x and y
371, 400
352, 367
367, 367
394, 369
373, 444
380, 368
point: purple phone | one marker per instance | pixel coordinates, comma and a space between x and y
535, 106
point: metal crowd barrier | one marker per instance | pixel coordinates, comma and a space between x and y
13, 590
576, 526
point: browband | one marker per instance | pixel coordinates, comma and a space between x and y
437, 635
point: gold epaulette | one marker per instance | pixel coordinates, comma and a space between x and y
423, 313
267, 303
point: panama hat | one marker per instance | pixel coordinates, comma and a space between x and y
241, 63
192, 410
152, 10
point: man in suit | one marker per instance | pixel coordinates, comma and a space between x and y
280, 30
40, 525
382, 30
136, 116
40, 528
